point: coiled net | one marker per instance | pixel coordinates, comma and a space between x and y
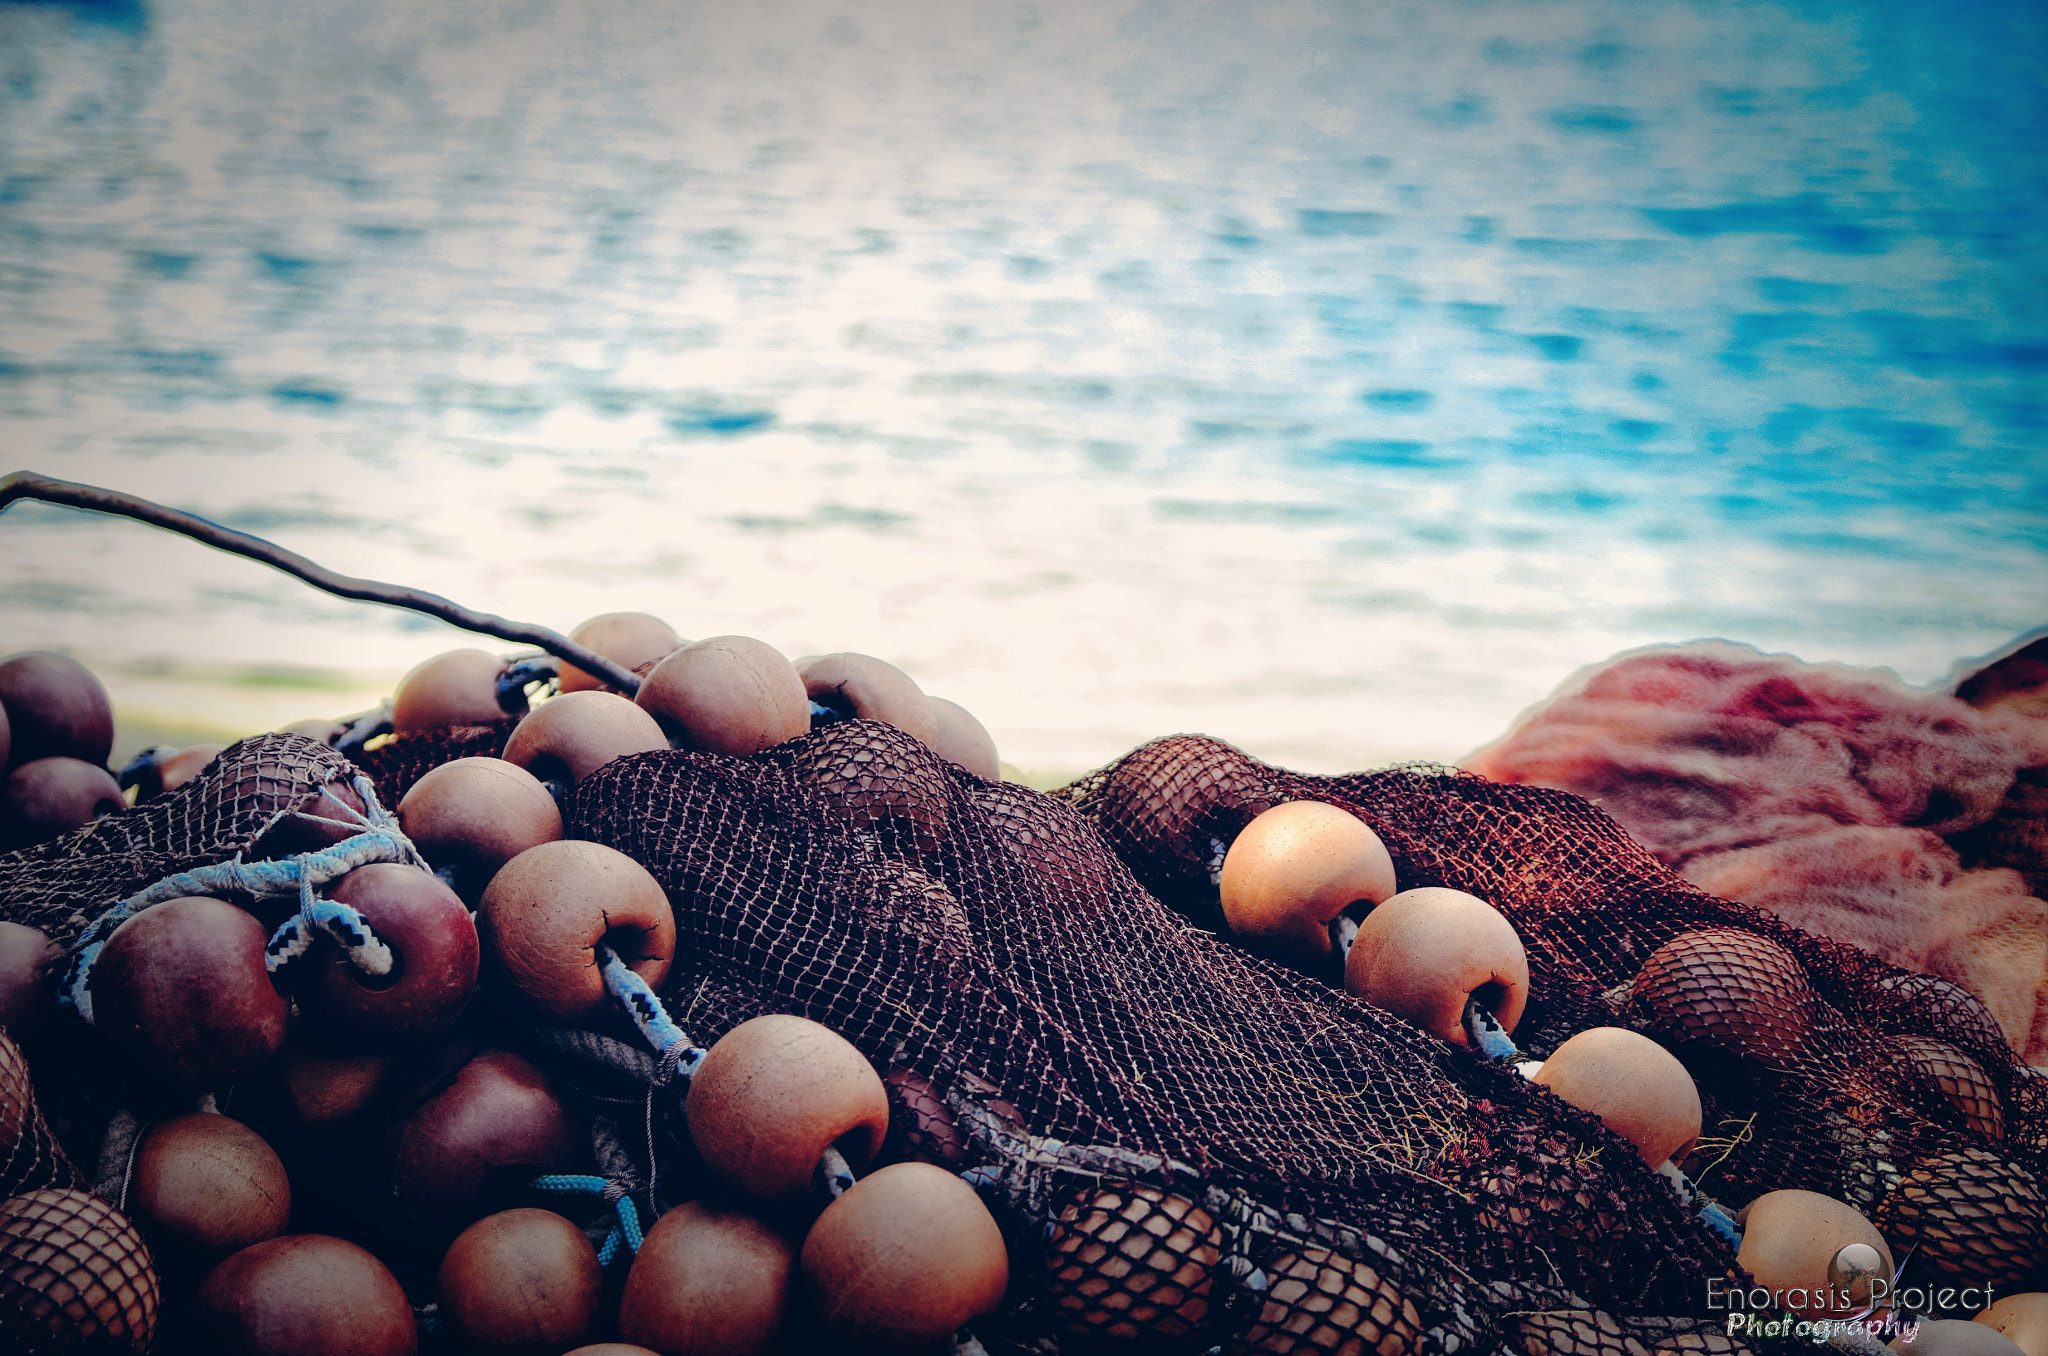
1189, 1146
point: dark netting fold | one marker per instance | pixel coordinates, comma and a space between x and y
253, 789
1189, 1146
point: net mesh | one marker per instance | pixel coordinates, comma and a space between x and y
1188, 1145
75, 1276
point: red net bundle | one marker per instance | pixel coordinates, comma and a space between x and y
1190, 1147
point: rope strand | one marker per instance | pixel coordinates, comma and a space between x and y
381, 840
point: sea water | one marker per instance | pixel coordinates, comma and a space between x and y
1332, 378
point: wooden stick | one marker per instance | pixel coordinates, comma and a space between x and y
29, 485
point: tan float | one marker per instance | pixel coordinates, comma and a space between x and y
521, 1283
459, 687
709, 1280
866, 688
1633, 1084
473, 815
1129, 1270
1425, 953
56, 708
208, 1183
1789, 1239
772, 1095
2023, 1318
572, 736
546, 912
305, 1295
903, 1259
628, 639
729, 694
181, 989
964, 740
1294, 869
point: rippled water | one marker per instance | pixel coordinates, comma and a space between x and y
1332, 378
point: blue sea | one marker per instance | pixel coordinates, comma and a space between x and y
1333, 378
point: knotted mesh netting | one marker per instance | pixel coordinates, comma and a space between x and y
1189, 1146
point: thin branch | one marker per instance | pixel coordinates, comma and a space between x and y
29, 485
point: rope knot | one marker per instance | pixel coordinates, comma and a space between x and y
381, 840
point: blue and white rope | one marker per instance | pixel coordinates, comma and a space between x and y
380, 841
626, 1231
349, 929
678, 1056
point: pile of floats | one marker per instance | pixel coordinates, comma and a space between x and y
305, 1000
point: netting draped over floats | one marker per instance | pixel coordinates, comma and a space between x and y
1189, 1146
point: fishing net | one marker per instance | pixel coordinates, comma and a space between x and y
1189, 1146
398, 761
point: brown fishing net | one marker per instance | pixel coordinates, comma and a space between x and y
75, 1276
1188, 1146
399, 760
30, 1157
247, 801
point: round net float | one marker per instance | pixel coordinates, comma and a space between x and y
1321, 1303
1129, 1270
546, 912
2023, 1318
1958, 1079
75, 1275
181, 989
1790, 1239
56, 708
862, 687
568, 738
208, 1184
471, 816
305, 1295
730, 694
1292, 873
53, 796
307, 1086
903, 1259
709, 1280
29, 962
1426, 953
521, 1282
1735, 990
498, 1121
963, 740
921, 1126
875, 776
628, 639
772, 1095
459, 687
1636, 1086
1955, 1337
434, 959
1971, 1215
